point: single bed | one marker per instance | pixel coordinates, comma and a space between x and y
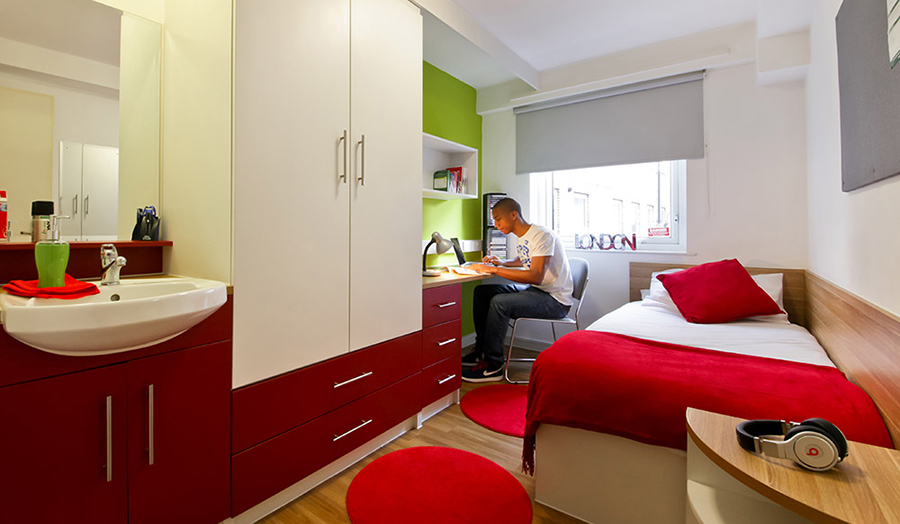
604, 478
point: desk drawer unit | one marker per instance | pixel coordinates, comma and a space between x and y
441, 304
265, 469
266, 409
441, 341
440, 379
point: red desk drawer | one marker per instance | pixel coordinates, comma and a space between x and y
441, 341
263, 410
441, 304
264, 470
440, 379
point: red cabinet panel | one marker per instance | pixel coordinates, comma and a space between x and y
266, 409
441, 304
54, 446
441, 379
441, 341
188, 481
264, 470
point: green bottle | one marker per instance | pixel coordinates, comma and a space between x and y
51, 257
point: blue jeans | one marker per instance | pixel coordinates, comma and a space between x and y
493, 307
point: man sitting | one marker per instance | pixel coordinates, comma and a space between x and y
545, 289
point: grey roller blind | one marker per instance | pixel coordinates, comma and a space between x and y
648, 122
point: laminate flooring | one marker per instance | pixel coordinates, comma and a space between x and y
450, 428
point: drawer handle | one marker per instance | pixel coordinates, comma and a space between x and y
150, 421
451, 377
448, 304
339, 437
444, 343
109, 431
354, 379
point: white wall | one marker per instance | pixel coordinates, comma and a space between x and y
746, 199
80, 114
852, 236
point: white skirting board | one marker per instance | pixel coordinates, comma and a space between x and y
603, 479
295, 491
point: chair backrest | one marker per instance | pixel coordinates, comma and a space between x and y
580, 272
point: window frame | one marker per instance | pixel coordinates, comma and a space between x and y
542, 210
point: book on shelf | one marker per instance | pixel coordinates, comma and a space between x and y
459, 179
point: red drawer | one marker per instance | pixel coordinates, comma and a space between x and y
441, 341
263, 410
440, 379
441, 304
264, 470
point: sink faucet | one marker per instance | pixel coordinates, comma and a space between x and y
112, 263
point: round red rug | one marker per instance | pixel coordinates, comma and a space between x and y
500, 408
438, 486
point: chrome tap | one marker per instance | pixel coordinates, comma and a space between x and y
112, 263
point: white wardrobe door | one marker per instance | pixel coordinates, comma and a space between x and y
69, 191
100, 187
386, 206
291, 208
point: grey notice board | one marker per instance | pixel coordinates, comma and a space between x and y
870, 95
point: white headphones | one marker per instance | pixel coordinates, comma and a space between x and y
814, 444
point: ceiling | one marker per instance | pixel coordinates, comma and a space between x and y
552, 33
77, 27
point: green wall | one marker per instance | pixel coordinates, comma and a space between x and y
448, 107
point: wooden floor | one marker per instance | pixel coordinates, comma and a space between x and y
449, 428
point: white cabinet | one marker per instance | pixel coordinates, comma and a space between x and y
88, 191
327, 225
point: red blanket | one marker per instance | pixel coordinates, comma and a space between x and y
640, 389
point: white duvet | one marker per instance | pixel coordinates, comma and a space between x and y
749, 337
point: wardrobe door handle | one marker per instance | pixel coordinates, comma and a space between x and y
448, 304
87, 201
75, 205
451, 377
150, 404
342, 435
444, 343
344, 139
109, 455
362, 164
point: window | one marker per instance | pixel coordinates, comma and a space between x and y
639, 199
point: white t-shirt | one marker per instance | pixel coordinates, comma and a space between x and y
539, 241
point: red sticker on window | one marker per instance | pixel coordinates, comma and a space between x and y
658, 232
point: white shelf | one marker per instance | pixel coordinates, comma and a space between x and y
439, 153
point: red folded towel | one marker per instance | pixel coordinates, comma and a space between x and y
72, 290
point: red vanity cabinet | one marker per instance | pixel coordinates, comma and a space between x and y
62, 449
188, 480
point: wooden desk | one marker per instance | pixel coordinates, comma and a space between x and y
864, 488
448, 278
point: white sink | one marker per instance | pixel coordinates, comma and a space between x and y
134, 314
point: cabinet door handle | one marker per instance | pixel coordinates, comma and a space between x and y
75, 205
451, 377
109, 455
342, 435
444, 343
362, 164
344, 139
448, 304
354, 379
150, 449
87, 202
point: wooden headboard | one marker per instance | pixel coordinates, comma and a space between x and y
794, 285
862, 339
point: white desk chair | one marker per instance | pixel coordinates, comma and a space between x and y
580, 276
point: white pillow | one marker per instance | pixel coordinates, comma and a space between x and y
771, 283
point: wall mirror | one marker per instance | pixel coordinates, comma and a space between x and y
79, 115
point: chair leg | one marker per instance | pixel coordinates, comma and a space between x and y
512, 339
553, 327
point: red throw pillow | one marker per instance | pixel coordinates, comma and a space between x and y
717, 292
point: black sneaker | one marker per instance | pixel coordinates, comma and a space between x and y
483, 373
471, 359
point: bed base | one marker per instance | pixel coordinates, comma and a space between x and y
603, 479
